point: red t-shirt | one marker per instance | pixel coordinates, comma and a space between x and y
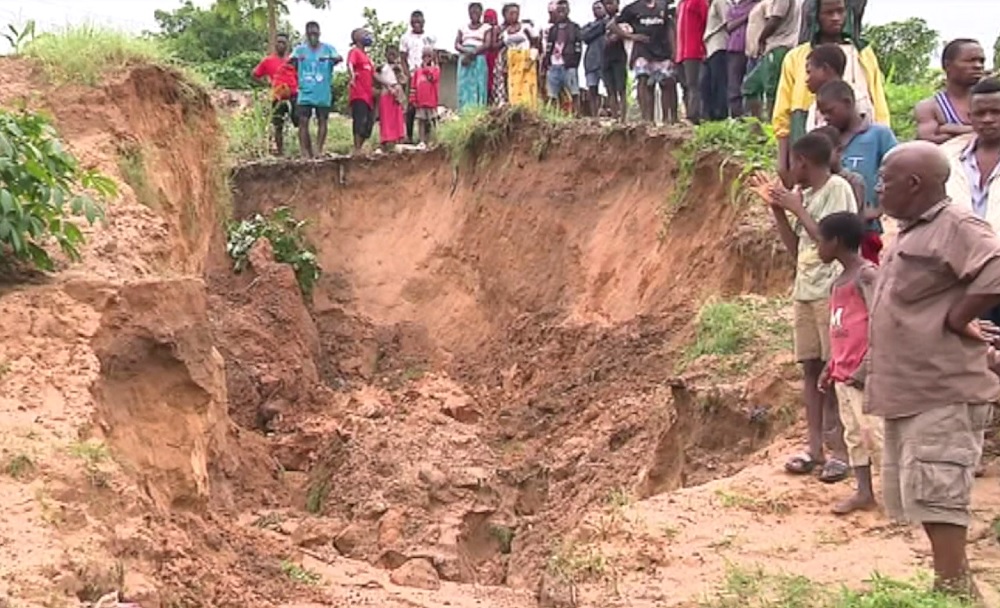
363, 86
692, 18
426, 83
281, 73
848, 331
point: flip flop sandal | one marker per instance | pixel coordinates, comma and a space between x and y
834, 471
801, 464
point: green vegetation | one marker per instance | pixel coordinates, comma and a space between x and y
904, 49
85, 53
299, 574
746, 145
902, 98
481, 130
19, 466
754, 588
288, 240
18, 37
248, 133
733, 327
93, 454
575, 564
132, 165
38, 181
771, 506
319, 491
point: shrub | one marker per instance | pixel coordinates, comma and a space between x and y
84, 53
38, 181
287, 237
902, 98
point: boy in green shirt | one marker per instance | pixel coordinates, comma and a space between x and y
817, 192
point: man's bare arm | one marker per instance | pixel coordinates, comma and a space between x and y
788, 236
930, 127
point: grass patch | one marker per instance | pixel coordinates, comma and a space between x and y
85, 53
730, 328
93, 454
753, 588
746, 143
248, 133
505, 536
770, 506
479, 129
574, 564
618, 498
132, 166
19, 466
299, 574
318, 492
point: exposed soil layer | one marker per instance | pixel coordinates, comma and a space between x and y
486, 402
520, 318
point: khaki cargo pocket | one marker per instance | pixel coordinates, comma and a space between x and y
943, 476
918, 277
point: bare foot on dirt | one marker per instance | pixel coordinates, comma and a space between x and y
857, 502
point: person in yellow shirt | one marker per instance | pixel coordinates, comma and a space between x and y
793, 100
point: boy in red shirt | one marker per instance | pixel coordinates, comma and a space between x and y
279, 72
851, 296
361, 91
425, 87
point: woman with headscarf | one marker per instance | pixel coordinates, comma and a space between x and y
520, 56
472, 43
496, 68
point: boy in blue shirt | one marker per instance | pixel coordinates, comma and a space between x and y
863, 146
314, 61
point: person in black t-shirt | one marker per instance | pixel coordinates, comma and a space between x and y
614, 66
651, 30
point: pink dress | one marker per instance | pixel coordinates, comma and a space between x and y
391, 124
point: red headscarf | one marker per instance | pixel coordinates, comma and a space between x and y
490, 17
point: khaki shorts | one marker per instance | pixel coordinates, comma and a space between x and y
812, 330
862, 433
929, 463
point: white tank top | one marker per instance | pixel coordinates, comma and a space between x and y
474, 37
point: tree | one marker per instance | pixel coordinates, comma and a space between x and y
265, 12
385, 34
996, 56
903, 48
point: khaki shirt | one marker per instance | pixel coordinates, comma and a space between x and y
915, 362
813, 278
787, 34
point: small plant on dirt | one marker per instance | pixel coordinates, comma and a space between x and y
746, 144
93, 454
17, 37
40, 186
4, 369
771, 506
505, 536
753, 588
19, 466
479, 130
618, 498
299, 574
575, 564
269, 521
288, 240
318, 492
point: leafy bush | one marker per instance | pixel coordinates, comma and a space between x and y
84, 53
902, 98
287, 237
38, 181
233, 72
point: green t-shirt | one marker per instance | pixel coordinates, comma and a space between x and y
813, 278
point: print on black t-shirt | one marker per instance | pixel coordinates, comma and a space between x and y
653, 21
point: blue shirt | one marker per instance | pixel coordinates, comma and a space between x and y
315, 68
863, 155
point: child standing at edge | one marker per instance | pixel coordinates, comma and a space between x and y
818, 193
851, 296
391, 122
426, 87
361, 91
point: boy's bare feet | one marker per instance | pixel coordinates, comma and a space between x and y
857, 502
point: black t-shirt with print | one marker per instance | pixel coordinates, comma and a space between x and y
653, 21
